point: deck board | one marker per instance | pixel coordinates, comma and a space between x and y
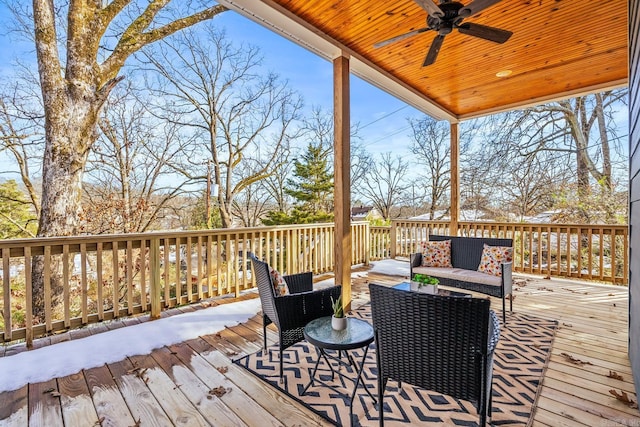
173, 385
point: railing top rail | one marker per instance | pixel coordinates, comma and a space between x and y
544, 224
517, 224
48, 241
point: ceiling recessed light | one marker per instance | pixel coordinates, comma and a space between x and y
503, 73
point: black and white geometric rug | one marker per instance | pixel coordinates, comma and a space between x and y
519, 364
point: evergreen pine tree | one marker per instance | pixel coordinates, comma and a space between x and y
312, 187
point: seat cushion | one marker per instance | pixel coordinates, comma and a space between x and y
461, 275
436, 254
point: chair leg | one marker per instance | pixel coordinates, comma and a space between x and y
504, 310
381, 386
281, 370
264, 331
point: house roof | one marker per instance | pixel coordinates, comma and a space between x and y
559, 48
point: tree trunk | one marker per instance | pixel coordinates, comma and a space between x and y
69, 136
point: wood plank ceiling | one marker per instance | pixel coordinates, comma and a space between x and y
559, 48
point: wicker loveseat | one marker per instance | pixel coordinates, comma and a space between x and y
466, 253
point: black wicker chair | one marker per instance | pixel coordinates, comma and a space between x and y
290, 313
439, 343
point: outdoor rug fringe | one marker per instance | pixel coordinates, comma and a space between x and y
520, 360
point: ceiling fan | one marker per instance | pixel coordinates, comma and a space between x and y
445, 17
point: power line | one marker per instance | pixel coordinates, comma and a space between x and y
388, 135
383, 117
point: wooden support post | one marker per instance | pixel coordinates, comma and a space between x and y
455, 179
342, 179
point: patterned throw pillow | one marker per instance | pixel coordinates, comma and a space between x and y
436, 254
279, 284
492, 257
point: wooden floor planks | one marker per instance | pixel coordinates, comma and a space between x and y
195, 382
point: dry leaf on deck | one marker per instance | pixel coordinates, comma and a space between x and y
219, 391
575, 361
623, 397
614, 375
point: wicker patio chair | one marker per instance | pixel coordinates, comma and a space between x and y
439, 343
290, 313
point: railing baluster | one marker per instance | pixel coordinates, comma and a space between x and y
28, 297
83, 283
99, 284
6, 288
115, 291
48, 315
66, 292
129, 276
142, 256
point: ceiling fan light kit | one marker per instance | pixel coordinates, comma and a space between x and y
446, 16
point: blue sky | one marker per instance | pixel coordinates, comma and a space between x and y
382, 118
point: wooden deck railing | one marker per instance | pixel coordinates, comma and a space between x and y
105, 277
599, 252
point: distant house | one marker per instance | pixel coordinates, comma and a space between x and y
465, 215
364, 213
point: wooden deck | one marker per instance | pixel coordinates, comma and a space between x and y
195, 383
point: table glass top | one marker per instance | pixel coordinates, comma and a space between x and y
406, 286
358, 332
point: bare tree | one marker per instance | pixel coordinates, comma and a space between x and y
73, 99
256, 199
131, 182
432, 149
553, 143
384, 184
274, 185
527, 185
22, 131
76, 80
581, 127
239, 112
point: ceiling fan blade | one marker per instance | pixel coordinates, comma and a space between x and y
484, 32
400, 37
433, 51
432, 9
475, 6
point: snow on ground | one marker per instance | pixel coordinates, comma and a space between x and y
69, 357
391, 267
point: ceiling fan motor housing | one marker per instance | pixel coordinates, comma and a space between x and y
444, 24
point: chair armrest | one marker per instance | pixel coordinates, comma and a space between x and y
296, 310
507, 278
301, 282
494, 332
414, 261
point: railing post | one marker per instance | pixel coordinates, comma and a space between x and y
367, 243
393, 240
154, 277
